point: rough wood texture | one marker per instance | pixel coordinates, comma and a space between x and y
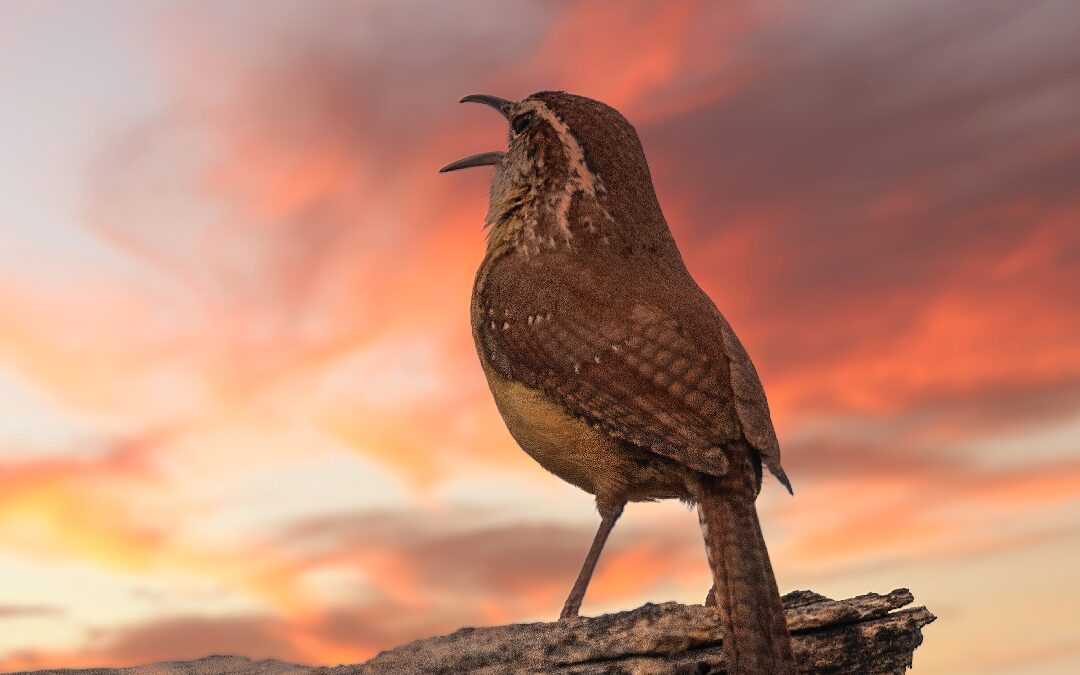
867, 634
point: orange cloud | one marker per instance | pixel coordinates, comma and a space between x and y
933, 511
894, 239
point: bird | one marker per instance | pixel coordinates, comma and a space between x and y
610, 366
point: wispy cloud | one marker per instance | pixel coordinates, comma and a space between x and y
878, 195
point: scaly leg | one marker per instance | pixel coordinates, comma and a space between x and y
577, 594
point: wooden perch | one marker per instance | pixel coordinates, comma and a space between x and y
859, 635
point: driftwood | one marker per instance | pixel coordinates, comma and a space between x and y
866, 634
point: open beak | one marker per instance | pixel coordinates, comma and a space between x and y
484, 158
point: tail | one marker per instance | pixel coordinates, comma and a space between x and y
756, 639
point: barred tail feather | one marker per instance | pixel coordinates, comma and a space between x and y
756, 639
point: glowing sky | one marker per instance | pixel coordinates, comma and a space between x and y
240, 409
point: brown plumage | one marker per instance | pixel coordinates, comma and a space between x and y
610, 366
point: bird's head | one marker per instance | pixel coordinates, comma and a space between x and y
573, 171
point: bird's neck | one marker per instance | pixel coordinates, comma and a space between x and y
532, 220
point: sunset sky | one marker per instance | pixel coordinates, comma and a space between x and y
240, 408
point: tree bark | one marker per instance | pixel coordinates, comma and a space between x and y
868, 634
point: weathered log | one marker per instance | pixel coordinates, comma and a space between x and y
866, 634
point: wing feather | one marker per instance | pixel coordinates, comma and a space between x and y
631, 368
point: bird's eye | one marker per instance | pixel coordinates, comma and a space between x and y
520, 122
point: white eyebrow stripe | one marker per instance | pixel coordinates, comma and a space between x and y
582, 179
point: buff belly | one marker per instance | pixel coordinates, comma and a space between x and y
578, 453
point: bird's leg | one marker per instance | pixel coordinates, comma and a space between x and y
577, 594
